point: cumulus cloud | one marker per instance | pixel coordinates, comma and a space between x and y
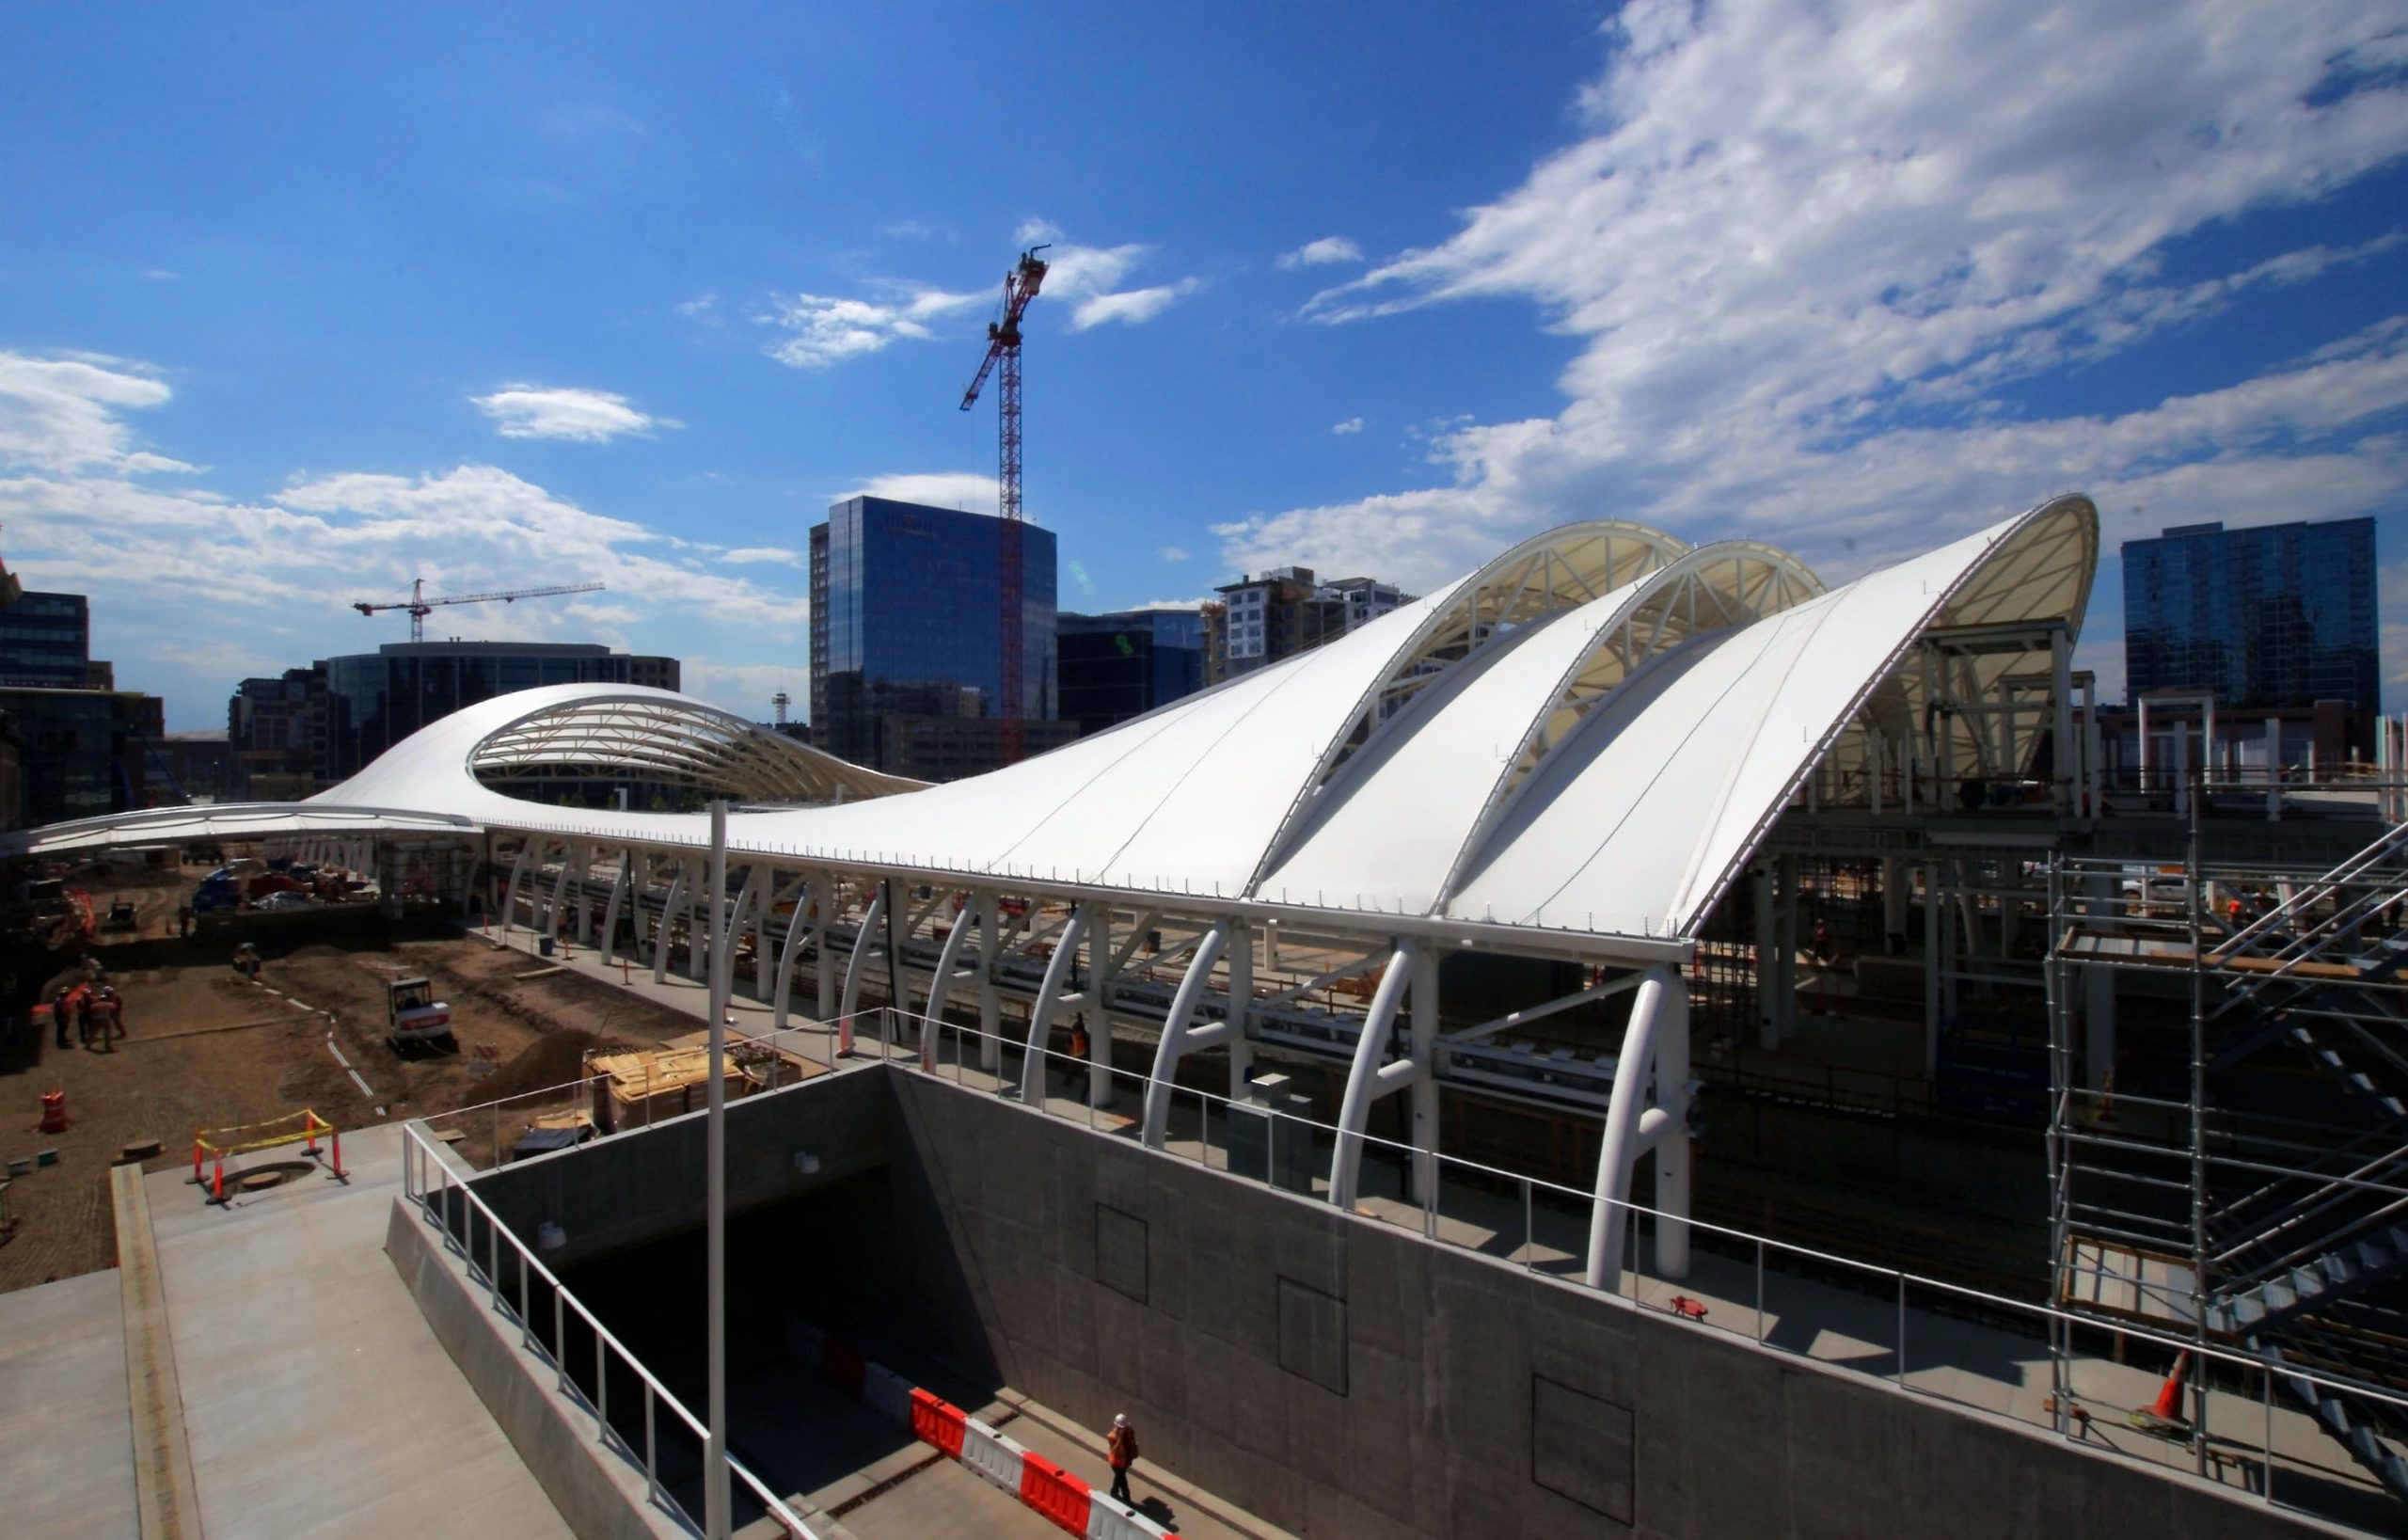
823, 331
1172, 553
78, 519
1090, 278
1353, 425
584, 417
743, 554
965, 490
62, 413
1820, 264
1329, 248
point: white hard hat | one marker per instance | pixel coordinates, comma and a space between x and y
1120, 1419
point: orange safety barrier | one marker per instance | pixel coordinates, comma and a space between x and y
937, 1423
53, 1112
1054, 1492
841, 1366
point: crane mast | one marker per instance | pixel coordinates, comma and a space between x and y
1002, 358
420, 606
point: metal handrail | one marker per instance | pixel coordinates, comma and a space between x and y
417, 1154
1630, 1211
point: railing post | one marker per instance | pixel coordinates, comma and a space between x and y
1902, 1331
601, 1389
1529, 1232
493, 1258
526, 1330
651, 1465
560, 1340
1760, 1291
2266, 1381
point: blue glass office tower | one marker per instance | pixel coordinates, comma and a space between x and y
2277, 615
906, 621
1124, 664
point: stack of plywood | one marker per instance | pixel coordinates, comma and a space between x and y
646, 1086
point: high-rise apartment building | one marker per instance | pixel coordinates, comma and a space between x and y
906, 625
46, 642
2276, 615
1124, 664
1261, 620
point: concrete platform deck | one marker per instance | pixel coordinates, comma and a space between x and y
65, 1432
315, 1400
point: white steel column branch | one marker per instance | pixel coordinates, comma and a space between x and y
560, 890
1175, 1040
1658, 1015
1099, 966
991, 1008
518, 872
863, 939
664, 938
1041, 1009
1371, 1077
941, 981
807, 911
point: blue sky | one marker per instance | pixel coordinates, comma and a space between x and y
298, 303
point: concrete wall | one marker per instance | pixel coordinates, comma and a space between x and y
599, 1494
1342, 1378
641, 1185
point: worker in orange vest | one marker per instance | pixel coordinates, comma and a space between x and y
1120, 1448
1080, 1044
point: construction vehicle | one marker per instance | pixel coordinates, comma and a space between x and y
120, 916
413, 1014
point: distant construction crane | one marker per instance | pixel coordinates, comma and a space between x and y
420, 606
1002, 345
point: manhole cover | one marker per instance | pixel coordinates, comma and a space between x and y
261, 1178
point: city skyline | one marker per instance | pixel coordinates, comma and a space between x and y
507, 301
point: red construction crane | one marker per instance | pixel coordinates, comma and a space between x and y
1003, 344
420, 606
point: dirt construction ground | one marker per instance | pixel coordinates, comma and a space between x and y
204, 1048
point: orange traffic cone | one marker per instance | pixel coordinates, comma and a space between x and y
2168, 1406
218, 1182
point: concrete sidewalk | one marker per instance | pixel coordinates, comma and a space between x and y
316, 1401
68, 1473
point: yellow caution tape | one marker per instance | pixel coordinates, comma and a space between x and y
310, 1126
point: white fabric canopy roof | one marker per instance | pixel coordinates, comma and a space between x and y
1590, 735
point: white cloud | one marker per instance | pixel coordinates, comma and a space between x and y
1800, 249
1134, 307
585, 416
1353, 425
702, 308
827, 331
61, 413
1172, 553
1329, 248
965, 490
743, 554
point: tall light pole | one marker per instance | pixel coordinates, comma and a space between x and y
715, 1492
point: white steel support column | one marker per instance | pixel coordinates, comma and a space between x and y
1658, 1013
824, 971
1370, 1076
1042, 1011
621, 883
730, 934
510, 895
805, 920
1425, 1082
1175, 1041
702, 914
560, 890
664, 938
940, 982
1241, 951
1098, 944
990, 1006
864, 940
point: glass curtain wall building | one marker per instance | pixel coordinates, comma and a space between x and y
374, 700
2277, 615
905, 620
46, 642
1124, 664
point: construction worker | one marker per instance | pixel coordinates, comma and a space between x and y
1120, 1448
82, 1017
60, 1011
1080, 1044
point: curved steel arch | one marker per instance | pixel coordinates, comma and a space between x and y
675, 741
1741, 581
1557, 569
